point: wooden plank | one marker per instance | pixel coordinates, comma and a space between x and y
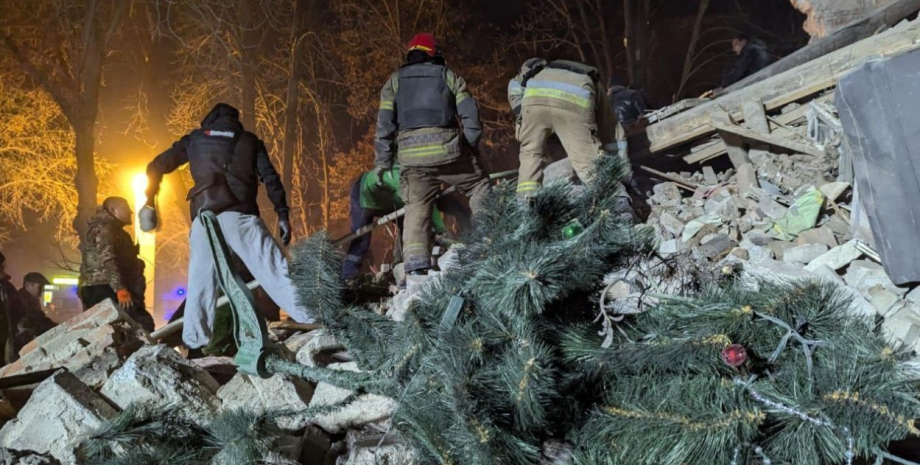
755, 116
734, 144
779, 90
771, 139
674, 109
679, 182
718, 149
888, 15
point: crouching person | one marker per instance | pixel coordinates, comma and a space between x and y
227, 162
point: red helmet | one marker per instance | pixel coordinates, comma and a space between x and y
425, 42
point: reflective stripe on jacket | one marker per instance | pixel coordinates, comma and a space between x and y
418, 117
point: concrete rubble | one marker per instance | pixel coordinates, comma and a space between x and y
91, 345
159, 375
783, 216
61, 409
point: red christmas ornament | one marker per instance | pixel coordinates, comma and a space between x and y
734, 355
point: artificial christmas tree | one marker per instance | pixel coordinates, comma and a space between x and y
499, 355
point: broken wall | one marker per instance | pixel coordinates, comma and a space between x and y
826, 16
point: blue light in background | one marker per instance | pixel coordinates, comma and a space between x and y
180, 292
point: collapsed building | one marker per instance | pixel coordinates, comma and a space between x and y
781, 178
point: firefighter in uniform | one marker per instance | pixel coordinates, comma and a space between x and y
429, 122
110, 268
567, 99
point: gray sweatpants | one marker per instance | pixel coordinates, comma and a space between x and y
248, 238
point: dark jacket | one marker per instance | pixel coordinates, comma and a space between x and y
627, 103
32, 322
110, 256
221, 148
753, 58
10, 306
422, 108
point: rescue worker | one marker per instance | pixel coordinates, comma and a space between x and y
227, 162
627, 104
33, 322
373, 196
567, 99
752, 57
429, 123
111, 268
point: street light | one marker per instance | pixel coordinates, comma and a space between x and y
146, 242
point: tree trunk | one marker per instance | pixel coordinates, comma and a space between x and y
292, 99
85, 179
248, 53
629, 40
691, 49
605, 39
640, 31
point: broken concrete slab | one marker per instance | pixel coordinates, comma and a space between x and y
91, 345
804, 254
709, 176
779, 248
740, 253
777, 271
61, 409
559, 171
695, 226
158, 375
833, 190
671, 224
718, 246
317, 351
838, 257
281, 392
668, 247
746, 178
865, 275
771, 208
903, 327
882, 299
367, 408
822, 235
666, 194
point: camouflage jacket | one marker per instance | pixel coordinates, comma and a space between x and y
110, 256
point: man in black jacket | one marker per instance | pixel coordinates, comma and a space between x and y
227, 163
752, 57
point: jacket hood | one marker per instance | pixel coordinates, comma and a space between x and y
222, 116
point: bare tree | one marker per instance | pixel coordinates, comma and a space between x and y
37, 165
62, 45
691, 49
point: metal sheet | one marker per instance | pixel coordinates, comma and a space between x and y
878, 105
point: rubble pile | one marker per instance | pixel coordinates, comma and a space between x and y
106, 367
784, 216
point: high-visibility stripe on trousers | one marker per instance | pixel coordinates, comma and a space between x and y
577, 132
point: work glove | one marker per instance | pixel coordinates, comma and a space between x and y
284, 230
379, 171
124, 298
147, 218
